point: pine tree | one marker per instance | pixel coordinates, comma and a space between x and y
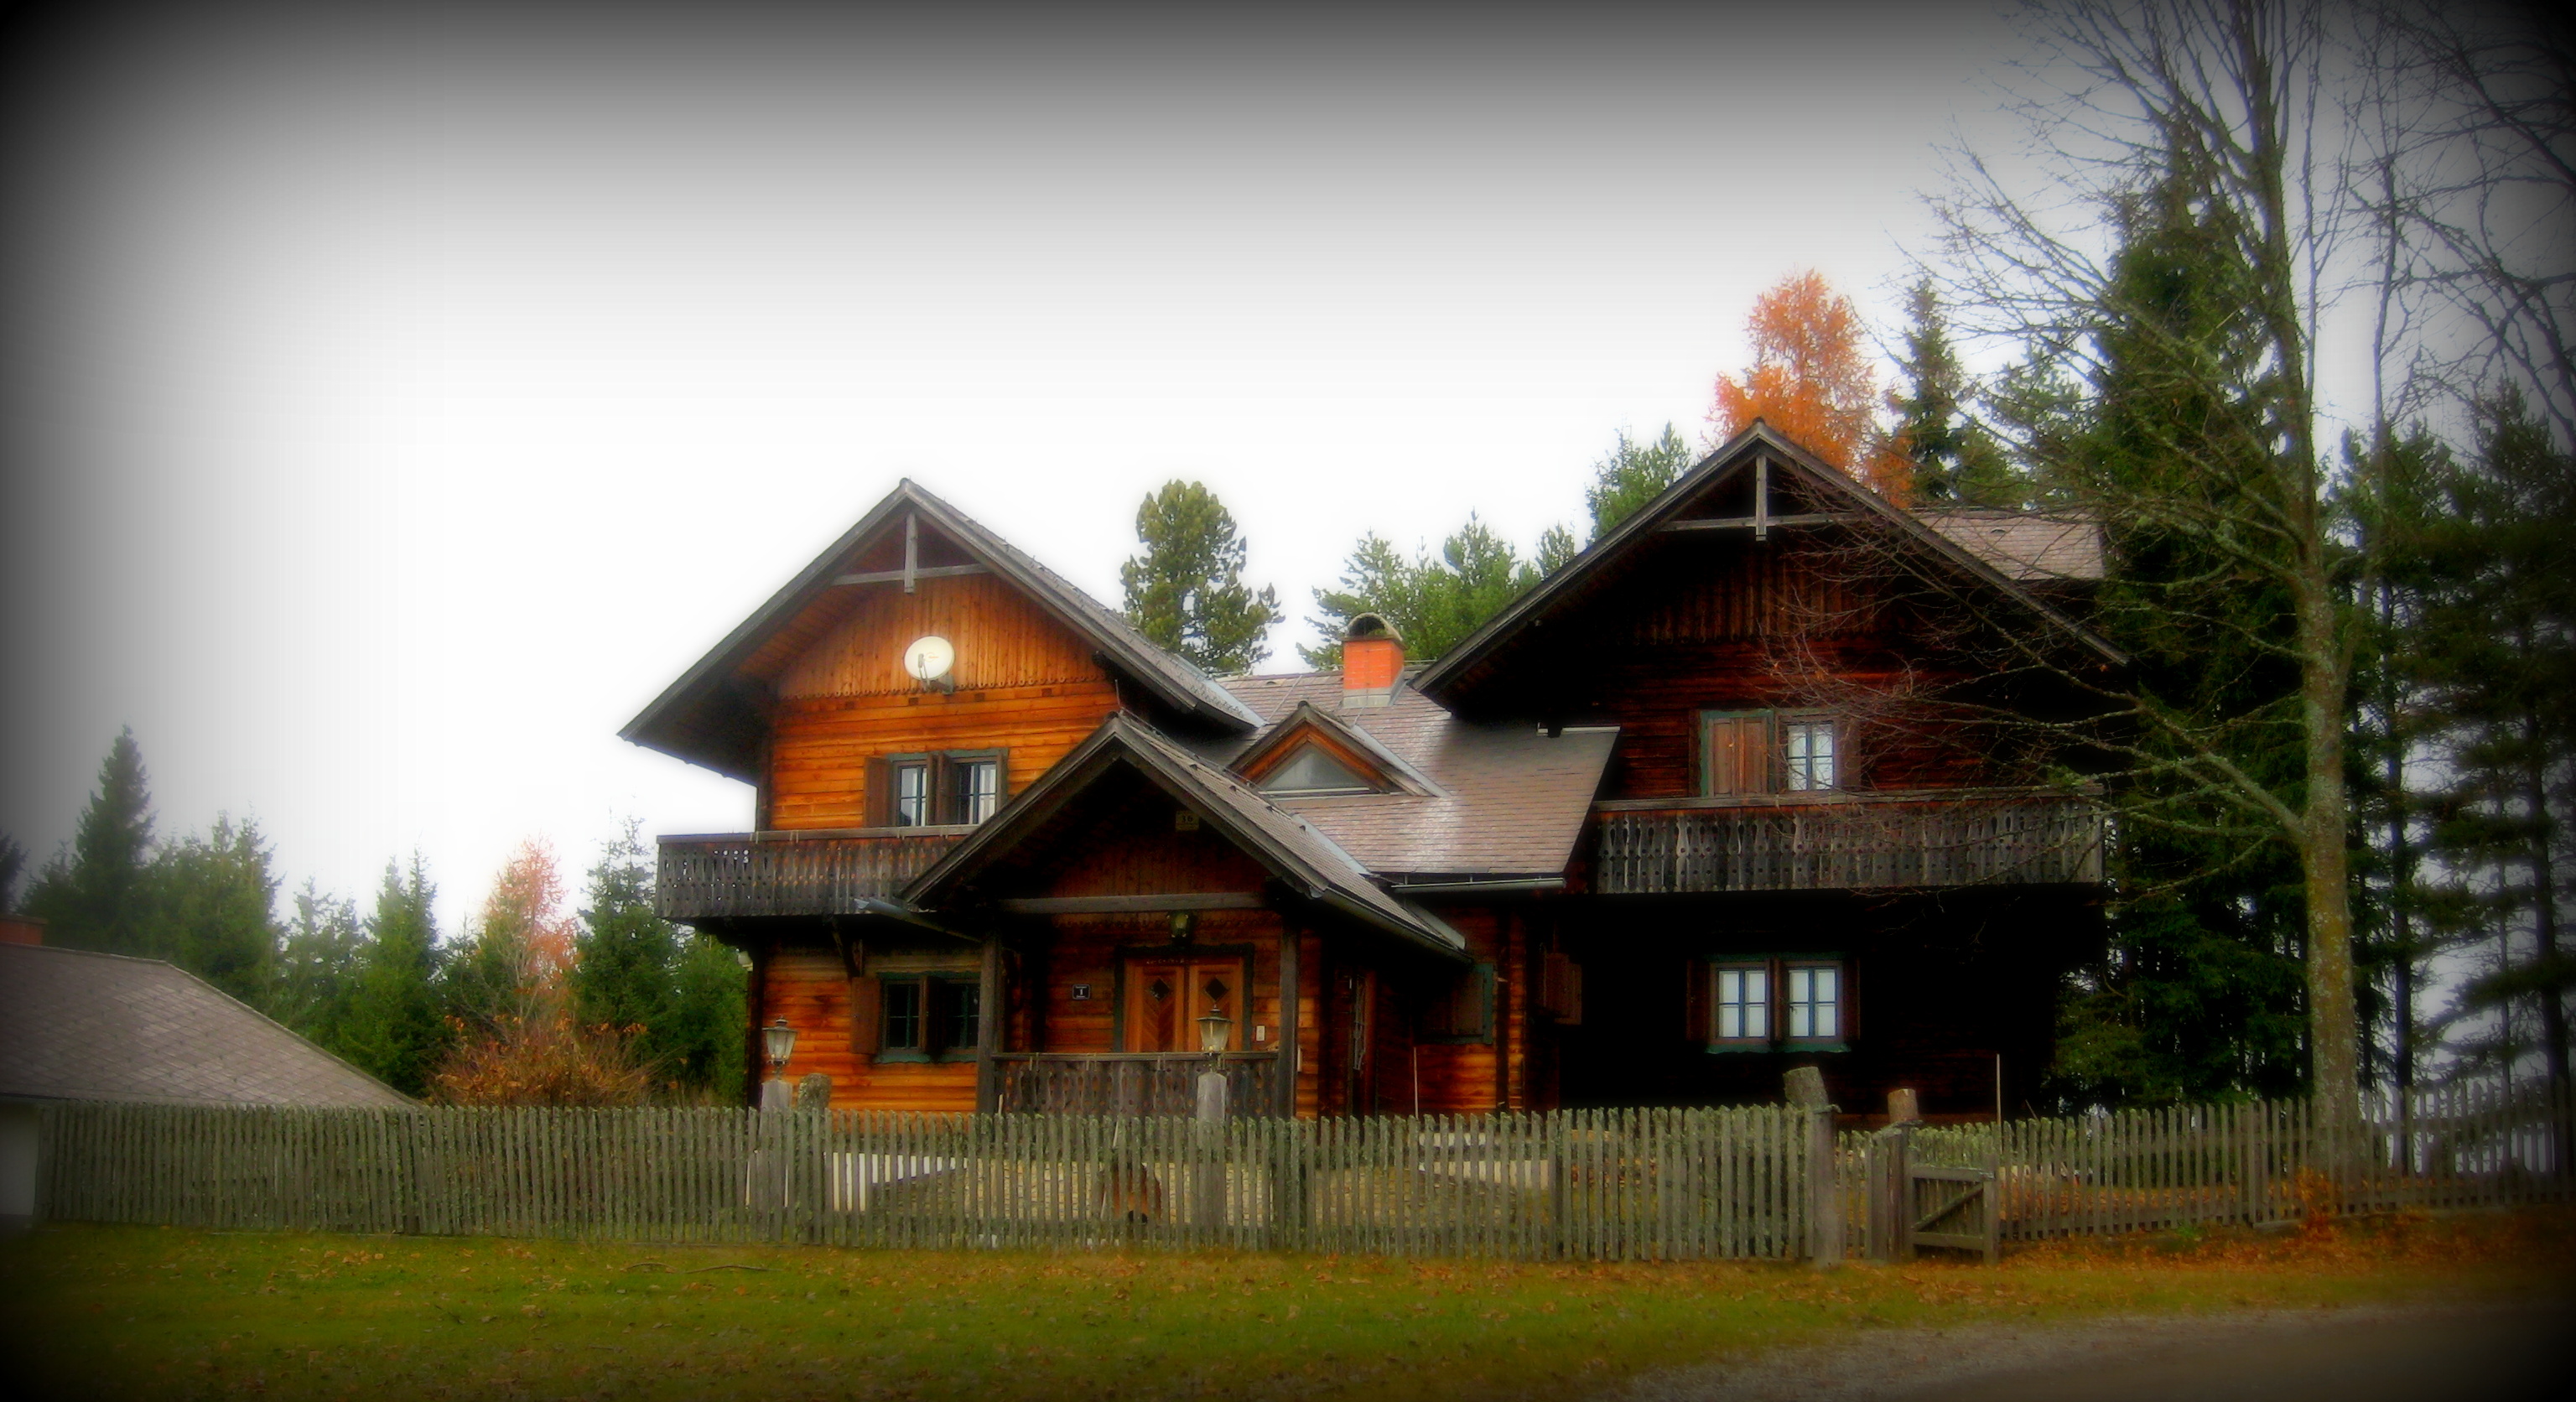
710, 1002
1185, 591
214, 901
1956, 462
318, 965
1434, 603
2201, 996
395, 1031
13, 864
628, 957
1631, 475
98, 896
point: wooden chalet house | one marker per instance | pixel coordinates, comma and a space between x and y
1702, 806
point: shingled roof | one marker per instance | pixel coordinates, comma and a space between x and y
1509, 800
709, 717
1294, 850
81, 1026
2025, 546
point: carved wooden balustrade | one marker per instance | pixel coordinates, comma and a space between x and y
1849, 842
791, 873
1131, 1083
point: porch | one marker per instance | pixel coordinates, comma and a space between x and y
1848, 841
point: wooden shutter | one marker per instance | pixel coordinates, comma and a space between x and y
1739, 754
942, 782
1697, 1024
880, 794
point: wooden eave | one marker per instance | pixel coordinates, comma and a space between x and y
1450, 677
1297, 855
714, 715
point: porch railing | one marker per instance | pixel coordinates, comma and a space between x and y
1850, 842
791, 873
1132, 1083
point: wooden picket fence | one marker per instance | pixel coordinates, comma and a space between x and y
1569, 1185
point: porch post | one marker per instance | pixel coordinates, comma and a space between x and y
988, 1030
1290, 989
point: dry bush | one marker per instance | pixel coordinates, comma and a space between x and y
542, 1061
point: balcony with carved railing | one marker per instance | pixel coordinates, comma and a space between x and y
1848, 842
833, 872
1132, 1083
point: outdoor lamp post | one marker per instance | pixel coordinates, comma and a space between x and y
779, 1040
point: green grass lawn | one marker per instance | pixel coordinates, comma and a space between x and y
127, 1312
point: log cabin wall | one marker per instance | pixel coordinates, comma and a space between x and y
1715, 621
835, 1017
1023, 683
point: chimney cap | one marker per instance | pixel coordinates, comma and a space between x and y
1370, 625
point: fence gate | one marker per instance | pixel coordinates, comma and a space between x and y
1914, 1204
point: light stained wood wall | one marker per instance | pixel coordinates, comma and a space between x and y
1002, 638
821, 747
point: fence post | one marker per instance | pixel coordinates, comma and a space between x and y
1806, 1087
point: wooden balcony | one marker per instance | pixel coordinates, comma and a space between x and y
1142, 1083
1848, 842
791, 873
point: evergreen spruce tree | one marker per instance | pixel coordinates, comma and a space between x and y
1434, 603
710, 1004
395, 1031
318, 963
1185, 591
13, 864
1631, 475
214, 900
628, 961
2201, 995
1956, 462
98, 896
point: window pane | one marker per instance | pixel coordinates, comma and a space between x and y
1811, 755
912, 795
979, 790
1815, 1003
1310, 770
902, 1016
1743, 1007
959, 1004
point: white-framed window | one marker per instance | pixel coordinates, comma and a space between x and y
1743, 1003
1814, 1002
1807, 747
911, 793
1773, 1002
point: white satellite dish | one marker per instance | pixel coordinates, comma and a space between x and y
929, 658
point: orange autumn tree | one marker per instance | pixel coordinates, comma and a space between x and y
1811, 380
511, 1007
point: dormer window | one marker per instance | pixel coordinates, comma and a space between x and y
1311, 772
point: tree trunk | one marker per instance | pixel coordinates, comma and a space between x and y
2333, 1028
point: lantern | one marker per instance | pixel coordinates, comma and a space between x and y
781, 1041
1213, 1029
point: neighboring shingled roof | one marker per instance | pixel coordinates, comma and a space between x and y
704, 718
1443, 677
1293, 849
1511, 802
2025, 546
81, 1026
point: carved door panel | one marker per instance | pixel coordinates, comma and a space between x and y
1167, 997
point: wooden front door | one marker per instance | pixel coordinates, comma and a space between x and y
1167, 997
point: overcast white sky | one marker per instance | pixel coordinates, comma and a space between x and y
402, 404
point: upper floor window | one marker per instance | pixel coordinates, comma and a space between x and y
1808, 746
1755, 752
954, 788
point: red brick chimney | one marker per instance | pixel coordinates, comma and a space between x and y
1372, 661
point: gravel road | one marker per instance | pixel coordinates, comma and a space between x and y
2357, 1354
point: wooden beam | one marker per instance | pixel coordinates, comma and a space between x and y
988, 1030
1745, 523
898, 576
1761, 504
1287, 1042
911, 549
1132, 905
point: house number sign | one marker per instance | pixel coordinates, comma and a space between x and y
929, 658
1082, 993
